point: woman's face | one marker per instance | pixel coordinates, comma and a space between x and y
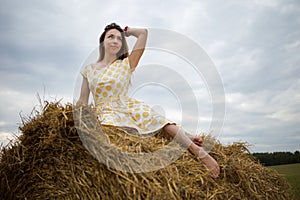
112, 41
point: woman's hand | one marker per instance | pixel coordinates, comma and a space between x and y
198, 140
126, 31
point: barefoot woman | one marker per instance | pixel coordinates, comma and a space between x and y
108, 80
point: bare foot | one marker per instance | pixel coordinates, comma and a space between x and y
212, 165
209, 162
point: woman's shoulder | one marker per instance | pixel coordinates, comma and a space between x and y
86, 68
87, 65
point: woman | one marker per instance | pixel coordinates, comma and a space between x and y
109, 78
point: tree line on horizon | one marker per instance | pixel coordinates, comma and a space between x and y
277, 158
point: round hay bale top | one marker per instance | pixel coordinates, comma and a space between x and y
49, 161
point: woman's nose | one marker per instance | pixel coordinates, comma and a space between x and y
115, 40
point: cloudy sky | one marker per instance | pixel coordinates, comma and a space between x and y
254, 45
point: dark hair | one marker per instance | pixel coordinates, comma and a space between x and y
123, 53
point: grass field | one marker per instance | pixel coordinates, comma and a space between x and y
292, 174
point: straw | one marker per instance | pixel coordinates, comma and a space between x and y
50, 161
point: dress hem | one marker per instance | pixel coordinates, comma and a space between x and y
145, 133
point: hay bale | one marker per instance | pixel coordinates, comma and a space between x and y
49, 161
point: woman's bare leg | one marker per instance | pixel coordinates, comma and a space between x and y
209, 161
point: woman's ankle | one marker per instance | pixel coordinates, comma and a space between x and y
198, 151
202, 153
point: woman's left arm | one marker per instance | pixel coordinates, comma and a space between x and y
141, 34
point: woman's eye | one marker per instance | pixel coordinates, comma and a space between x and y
113, 37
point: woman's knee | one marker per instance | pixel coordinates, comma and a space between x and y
168, 127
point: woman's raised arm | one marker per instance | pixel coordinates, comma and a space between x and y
141, 34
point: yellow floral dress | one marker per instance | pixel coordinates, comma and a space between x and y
109, 87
